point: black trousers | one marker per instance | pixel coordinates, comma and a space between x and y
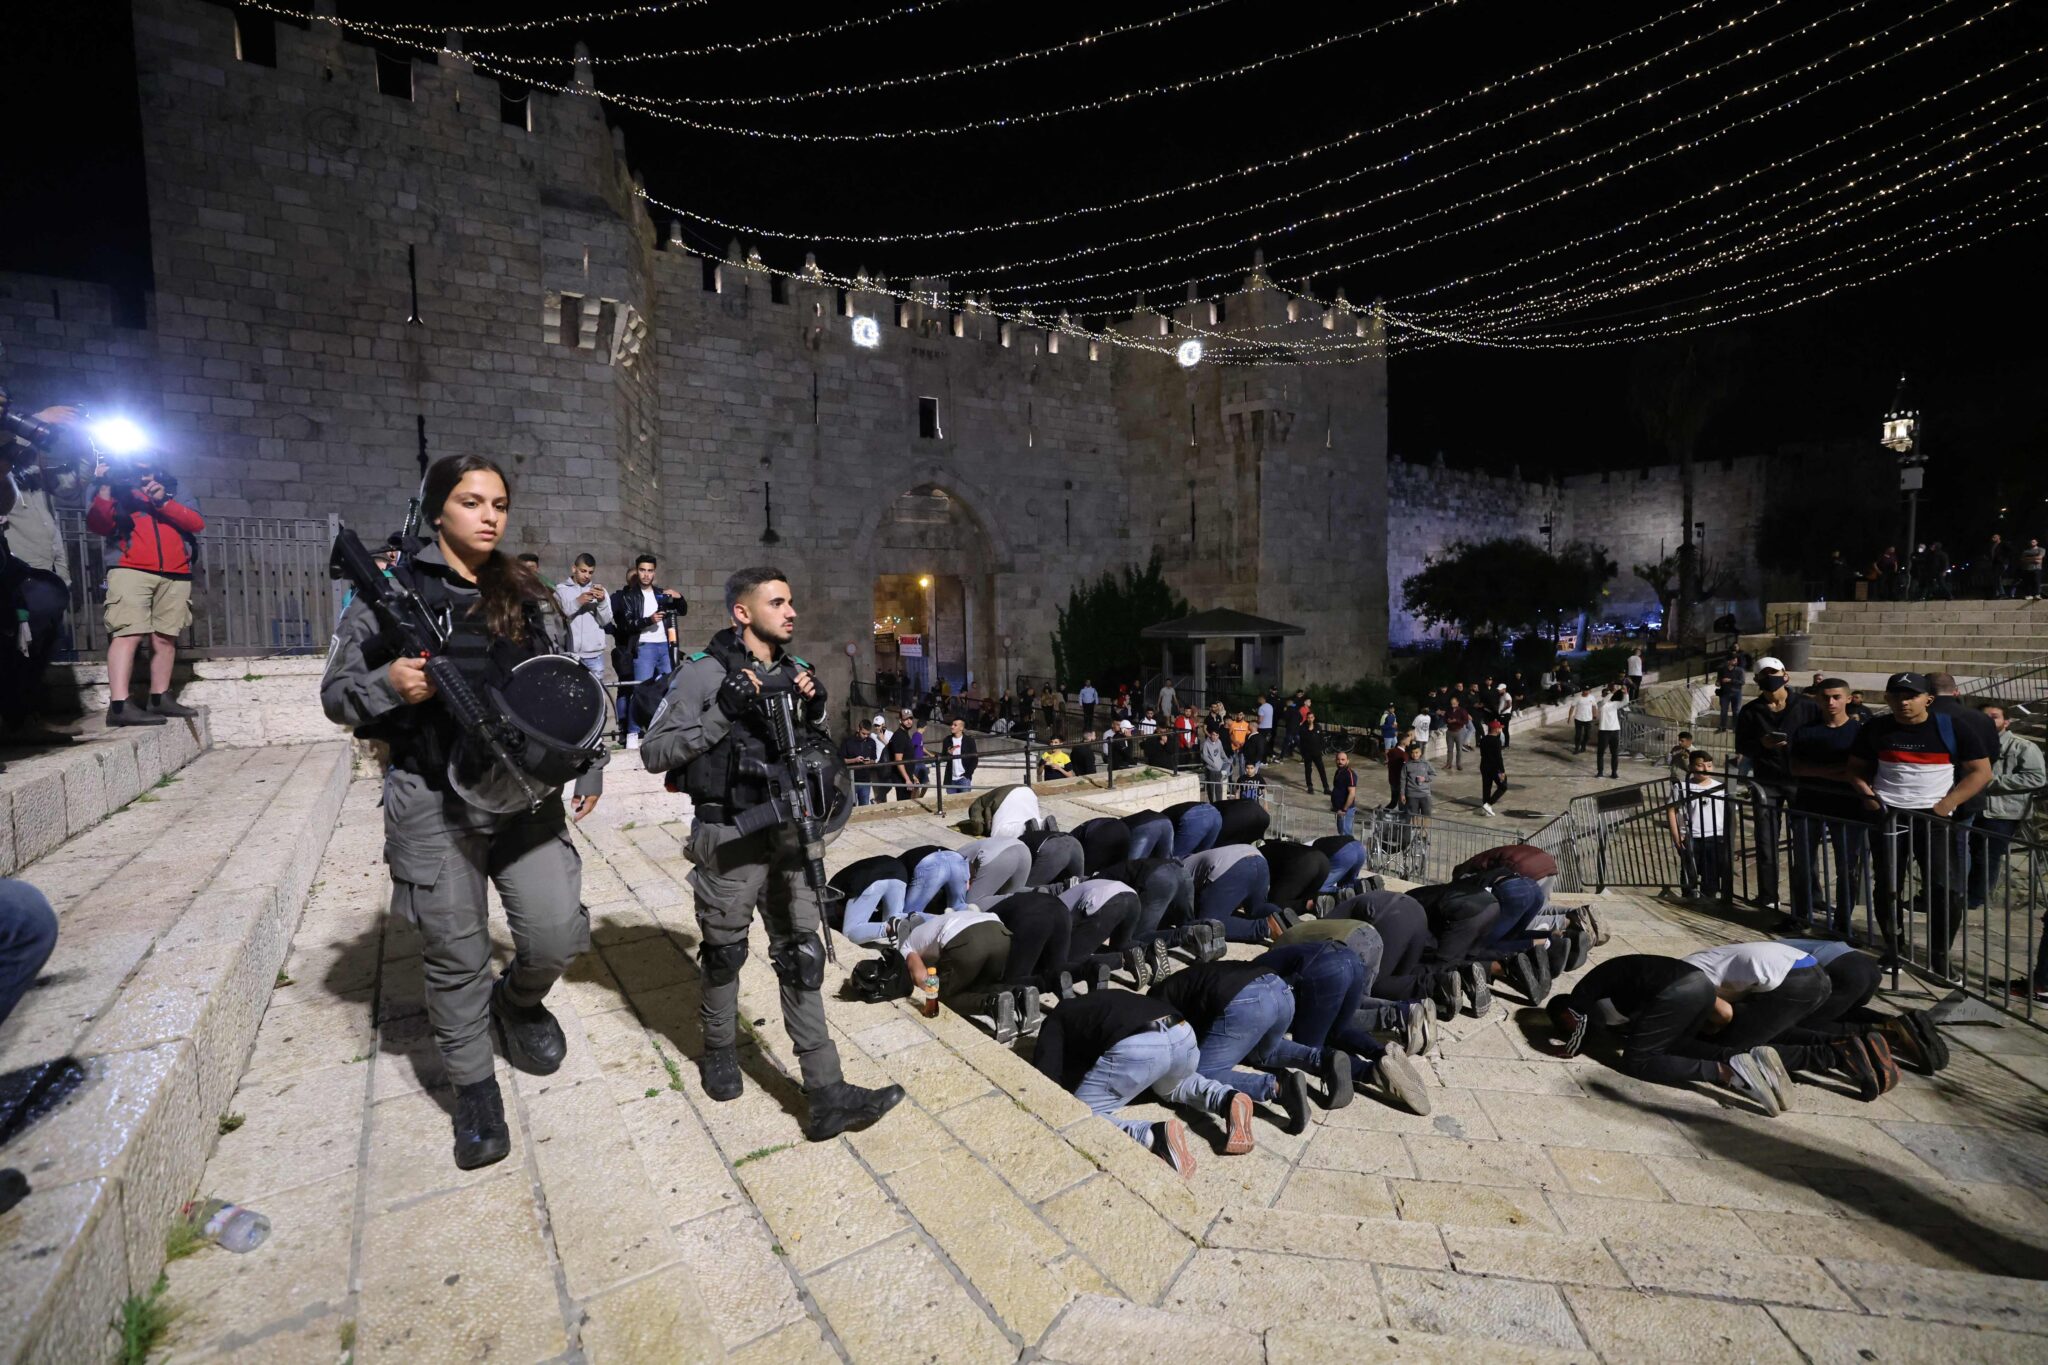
1461, 928
1582, 730
1608, 747
1312, 768
1040, 927
1492, 786
44, 599
1761, 1018
975, 962
1403, 927
1108, 929
1852, 979
1666, 1003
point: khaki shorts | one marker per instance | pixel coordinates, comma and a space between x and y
140, 603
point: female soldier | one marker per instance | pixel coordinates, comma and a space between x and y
439, 846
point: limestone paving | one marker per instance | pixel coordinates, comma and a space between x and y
1553, 1210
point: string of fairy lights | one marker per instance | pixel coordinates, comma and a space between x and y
1828, 215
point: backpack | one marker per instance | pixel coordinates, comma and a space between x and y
881, 978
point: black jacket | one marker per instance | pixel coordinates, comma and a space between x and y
627, 623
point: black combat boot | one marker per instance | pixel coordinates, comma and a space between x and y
718, 1071
842, 1108
532, 1040
481, 1137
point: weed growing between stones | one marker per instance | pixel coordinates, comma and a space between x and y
230, 1122
165, 781
760, 1152
283, 979
142, 1322
652, 1091
668, 1064
182, 1240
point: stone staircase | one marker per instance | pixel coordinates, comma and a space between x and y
177, 872
1968, 639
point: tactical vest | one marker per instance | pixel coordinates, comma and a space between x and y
728, 773
422, 737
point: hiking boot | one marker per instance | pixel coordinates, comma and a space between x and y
1210, 944
1774, 1071
1748, 1080
165, 706
1293, 1097
1239, 1116
1170, 1141
1478, 989
1162, 958
1139, 965
1005, 1011
1337, 1088
133, 714
531, 1037
1032, 1016
1572, 1023
1881, 1061
1401, 1082
481, 1137
1852, 1061
718, 1071
843, 1108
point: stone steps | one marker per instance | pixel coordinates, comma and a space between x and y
252, 701
174, 915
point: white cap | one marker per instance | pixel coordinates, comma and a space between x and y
878, 721
1770, 664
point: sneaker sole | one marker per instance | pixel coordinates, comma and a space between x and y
1403, 1083
1757, 1085
1240, 1140
1179, 1154
1776, 1074
1478, 991
1341, 1090
1418, 1028
1881, 1057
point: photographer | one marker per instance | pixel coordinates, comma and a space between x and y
644, 632
149, 592
37, 582
589, 609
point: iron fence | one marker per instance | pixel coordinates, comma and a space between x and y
1957, 902
259, 586
1425, 850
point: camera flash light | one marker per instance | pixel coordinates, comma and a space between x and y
119, 436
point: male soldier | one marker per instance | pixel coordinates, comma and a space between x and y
710, 726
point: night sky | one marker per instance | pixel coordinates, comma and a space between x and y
1967, 328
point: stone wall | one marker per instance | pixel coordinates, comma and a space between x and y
645, 398
1635, 514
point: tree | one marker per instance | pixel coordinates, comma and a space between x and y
1677, 387
1098, 629
1500, 586
1716, 580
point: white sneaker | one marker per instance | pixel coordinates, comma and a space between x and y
633, 741
1485, 809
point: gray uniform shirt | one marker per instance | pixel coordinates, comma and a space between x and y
688, 721
32, 535
586, 622
353, 692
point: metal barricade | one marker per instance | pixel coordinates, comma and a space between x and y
260, 586
1425, 850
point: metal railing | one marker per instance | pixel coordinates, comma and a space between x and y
1956, 902
260, 586
1425, 850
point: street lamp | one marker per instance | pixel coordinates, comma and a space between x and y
1901, 436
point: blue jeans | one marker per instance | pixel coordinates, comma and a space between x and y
1153, 838
943, 871
650, 661
960, 784
1344, 820
1327, 979
1243, 884
1253, 1028
28, 931
593, 662
1345, 865
1521, 900
869, 913
1165, 1064
1197, 831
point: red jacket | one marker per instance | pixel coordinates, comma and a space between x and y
155, 542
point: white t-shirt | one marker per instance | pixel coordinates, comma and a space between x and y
1265, 715
936, 931
1014, 815
1634, 667
1583, 708
1821, 950
1610, 715
1705, 808
955, 745
1421, 726
650, 606
1744, 968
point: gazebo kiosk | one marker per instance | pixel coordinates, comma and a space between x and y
1258, 642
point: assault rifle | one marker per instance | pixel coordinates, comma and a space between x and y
402, 613
802, 780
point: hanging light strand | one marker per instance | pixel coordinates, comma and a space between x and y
556, 21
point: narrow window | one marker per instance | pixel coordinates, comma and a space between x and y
255, 37
845, 304
571, 320
714, 282
778, 289
515, 105
928, 419
394, 75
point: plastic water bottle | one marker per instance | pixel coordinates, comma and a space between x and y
237, 1228
930, 1003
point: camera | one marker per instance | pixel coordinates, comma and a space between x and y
73, 446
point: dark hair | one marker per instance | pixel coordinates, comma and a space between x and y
745, 581
1826, 683
1700, 756
529, 557
642, 558
1685, 734
586, 559
504, 585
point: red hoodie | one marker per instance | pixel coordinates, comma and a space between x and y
155, 542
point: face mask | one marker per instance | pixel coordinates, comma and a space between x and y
1771, 684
